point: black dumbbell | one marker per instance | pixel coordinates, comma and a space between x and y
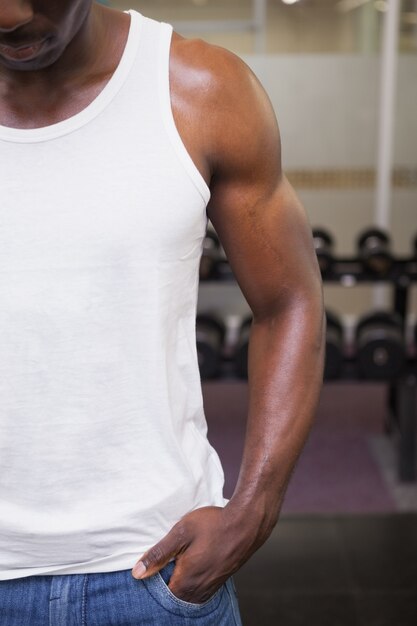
210, 333
334, 347
373, 246
380, 346
242, 347
210, 255
323, 245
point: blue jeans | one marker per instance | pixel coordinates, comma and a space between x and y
110, 599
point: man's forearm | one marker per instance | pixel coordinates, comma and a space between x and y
286, 356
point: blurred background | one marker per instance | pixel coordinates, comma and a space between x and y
342, 77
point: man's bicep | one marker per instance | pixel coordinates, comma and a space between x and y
268, 242
255, 211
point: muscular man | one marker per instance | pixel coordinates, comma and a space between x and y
118, 139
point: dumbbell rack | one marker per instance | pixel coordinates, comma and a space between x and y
402, 391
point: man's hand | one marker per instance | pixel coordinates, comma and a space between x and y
209, 545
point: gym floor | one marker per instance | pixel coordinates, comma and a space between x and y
344, 551
333, 571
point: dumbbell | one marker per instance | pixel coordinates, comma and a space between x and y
373, 246
242, 347
334, 347
210, 333
323, 245
380, 346
210, 254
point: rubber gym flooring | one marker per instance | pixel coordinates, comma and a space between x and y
333, 571
344, 552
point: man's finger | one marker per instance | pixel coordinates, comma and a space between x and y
159, 555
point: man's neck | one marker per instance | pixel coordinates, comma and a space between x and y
78, 60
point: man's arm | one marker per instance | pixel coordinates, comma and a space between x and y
268, 242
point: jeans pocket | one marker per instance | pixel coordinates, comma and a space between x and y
157, 586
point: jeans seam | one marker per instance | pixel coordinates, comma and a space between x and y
84, 602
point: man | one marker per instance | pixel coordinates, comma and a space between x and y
117, 140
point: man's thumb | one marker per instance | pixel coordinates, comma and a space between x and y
158, 556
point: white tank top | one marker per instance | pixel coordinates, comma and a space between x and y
103, 441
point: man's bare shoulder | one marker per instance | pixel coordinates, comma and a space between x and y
207, 68
218, 89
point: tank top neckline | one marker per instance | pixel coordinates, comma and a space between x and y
96, 106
